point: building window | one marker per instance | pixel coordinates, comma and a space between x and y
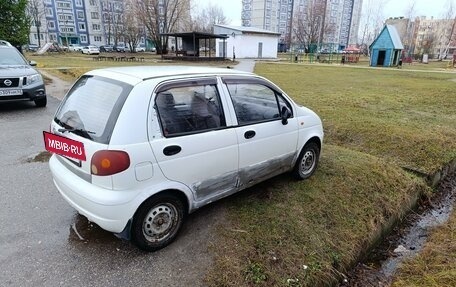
94, 15
78, 3
64, 5
93, 3
51, 25
83, 38
96, 27
82, 26
97, 38
80, 15
52, 37
49, 12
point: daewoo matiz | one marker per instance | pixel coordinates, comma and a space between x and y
136, 149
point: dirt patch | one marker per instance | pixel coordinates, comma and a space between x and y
55, 87
406, 240
43, 156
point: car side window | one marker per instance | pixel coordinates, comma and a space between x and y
255, 102
189, 109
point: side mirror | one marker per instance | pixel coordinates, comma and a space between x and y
32, 63
285, 114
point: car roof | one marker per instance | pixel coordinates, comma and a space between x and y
135, 74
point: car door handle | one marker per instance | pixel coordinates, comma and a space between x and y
171, 150
249, 134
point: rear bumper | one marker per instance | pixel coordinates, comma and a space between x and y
110, 209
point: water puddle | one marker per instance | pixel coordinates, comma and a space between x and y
405, 241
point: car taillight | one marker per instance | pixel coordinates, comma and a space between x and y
109, 162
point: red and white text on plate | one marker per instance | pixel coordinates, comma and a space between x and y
64, 146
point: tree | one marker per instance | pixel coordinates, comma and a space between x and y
446, 30
372, 21
162, 17
205, 19
132, 30
114, 18
309, 26
409, 36
35, 12
14, 23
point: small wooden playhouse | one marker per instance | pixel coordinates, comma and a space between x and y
386, 50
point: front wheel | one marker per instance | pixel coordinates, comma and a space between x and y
157, 222
307, 162
41, 102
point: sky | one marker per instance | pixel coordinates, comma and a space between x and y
393, 8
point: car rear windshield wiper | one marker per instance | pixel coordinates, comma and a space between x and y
66, 128
82, 132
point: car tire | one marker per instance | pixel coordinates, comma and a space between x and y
157, 222
41, 102
307, 161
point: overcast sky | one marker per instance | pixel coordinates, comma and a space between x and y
393, 8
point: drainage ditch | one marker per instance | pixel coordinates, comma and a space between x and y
406, 240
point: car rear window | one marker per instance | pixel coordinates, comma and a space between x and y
92, 107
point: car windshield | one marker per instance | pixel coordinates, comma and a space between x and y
92, 106
11, 56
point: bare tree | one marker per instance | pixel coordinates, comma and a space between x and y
372, 21
206, 18
309, 26
35, 12
161, 17
114, 19
409, 37
446, 30
131, 29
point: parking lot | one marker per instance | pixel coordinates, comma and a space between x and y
46, 243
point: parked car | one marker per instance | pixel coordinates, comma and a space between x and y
119, 48
106, 48
138, 148
90, 50
19, 81
32, 48
140, 48
74, 48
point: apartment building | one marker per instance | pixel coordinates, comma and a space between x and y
421, 35
84, 22
337, 20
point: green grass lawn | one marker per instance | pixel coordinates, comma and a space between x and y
408, 118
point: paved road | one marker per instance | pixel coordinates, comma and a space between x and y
38, 242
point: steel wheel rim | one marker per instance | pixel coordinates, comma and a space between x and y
308, 162
160, 222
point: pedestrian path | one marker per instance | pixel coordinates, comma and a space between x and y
245, 65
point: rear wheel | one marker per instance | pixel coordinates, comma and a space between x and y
157, 222
41, 102
307, 162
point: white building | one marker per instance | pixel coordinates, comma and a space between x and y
246, 42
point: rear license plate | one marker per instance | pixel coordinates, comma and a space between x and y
64, 146
16, 92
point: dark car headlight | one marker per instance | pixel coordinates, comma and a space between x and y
32, 79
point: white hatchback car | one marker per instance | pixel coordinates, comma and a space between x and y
90, 50
136, 149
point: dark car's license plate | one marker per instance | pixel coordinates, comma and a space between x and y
15, 92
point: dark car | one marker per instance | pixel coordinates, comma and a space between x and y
106, 48
19, 81
119, 48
